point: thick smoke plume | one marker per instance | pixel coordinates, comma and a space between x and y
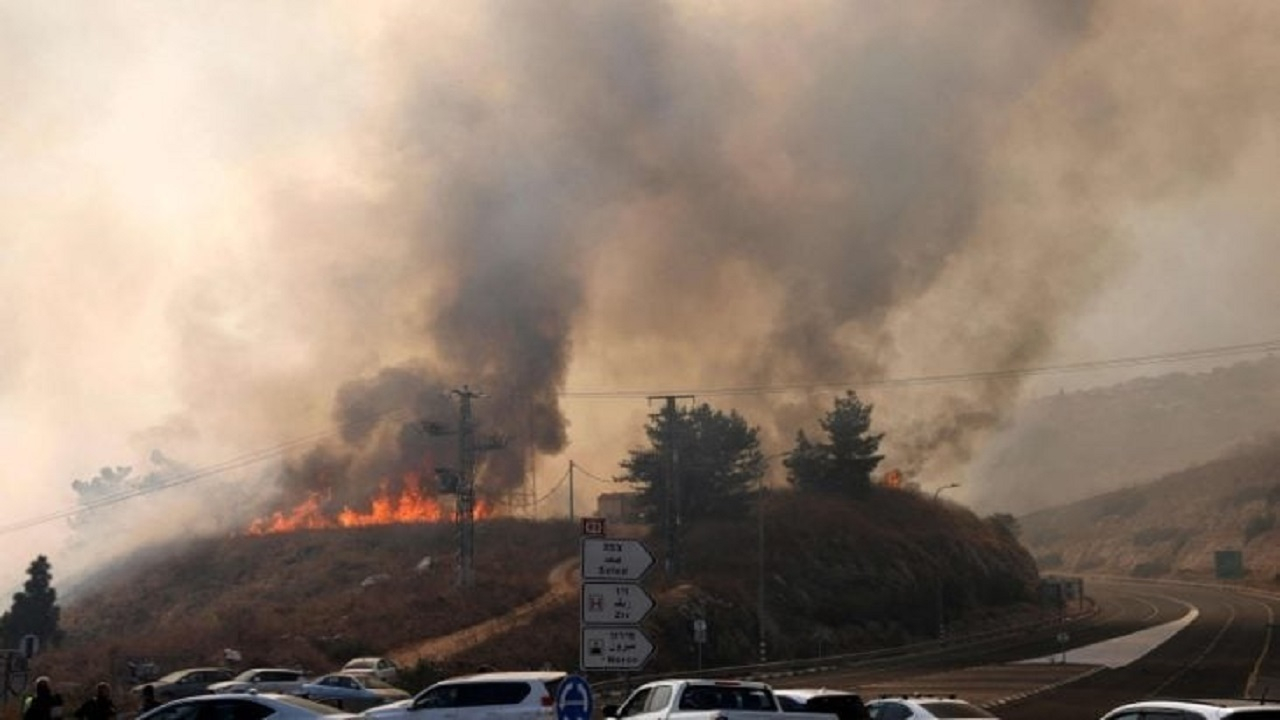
268, 221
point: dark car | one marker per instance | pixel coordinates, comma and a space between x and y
841, 703
185, 683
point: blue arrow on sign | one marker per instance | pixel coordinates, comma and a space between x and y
573, 699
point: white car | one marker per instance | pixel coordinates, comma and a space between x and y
381, 668
486, 696
264, 706
271, 680
925, 708
1197, 710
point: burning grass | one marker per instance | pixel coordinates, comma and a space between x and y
309, 598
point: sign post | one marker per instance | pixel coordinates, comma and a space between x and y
614, 604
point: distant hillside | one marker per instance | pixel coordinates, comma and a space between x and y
1171, 526
1071, 446
840, 575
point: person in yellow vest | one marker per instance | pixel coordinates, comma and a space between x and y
45, 704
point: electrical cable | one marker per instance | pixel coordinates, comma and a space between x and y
945, 378
261, 455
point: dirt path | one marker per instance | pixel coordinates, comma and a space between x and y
563, 585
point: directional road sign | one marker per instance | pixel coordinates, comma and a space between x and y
573, 699
614, 648
606, 559
614, 603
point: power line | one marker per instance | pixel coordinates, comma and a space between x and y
593, 476
564, 478
236, 463
539, 500
946, 378
261, 455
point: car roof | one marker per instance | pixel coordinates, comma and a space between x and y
811, 692
703, 682
919, 701
211, 697
535, 675
1195, 704
183, 671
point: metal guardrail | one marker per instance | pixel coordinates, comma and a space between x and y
617, 688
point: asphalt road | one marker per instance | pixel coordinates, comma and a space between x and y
1226, 649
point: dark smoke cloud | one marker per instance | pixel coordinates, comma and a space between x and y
266, 221
852, 167
879, 123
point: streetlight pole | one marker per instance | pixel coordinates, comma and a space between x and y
761, 643
941, 609
944, 487
760, 569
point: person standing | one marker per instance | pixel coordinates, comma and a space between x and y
45, 704
98, 707
149, 700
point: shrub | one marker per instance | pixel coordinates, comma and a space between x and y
1151, 536
1152, 568
1050, 560
1258, 525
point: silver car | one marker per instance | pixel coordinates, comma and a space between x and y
272, 680
925, 708
184, 683
351, 692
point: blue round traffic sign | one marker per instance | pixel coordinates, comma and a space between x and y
573, 699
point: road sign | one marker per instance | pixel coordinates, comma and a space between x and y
614, 648
614, 603
15, 673
573, 699
593, 527
606, 559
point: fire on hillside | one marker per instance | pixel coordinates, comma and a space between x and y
409, 506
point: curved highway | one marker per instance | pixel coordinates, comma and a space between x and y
1179, 640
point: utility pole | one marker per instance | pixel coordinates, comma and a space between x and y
671, 482
462, 480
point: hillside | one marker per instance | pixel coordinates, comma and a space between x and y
1071, 446
1173, 525
310, 598
840, 576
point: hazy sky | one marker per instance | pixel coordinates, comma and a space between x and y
225, 226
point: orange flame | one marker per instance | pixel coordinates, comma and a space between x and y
411, 505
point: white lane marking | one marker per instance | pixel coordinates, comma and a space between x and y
1123, 650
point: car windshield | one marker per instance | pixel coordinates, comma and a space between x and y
246, 676
954, 709
174, 676
709, 697
360, 664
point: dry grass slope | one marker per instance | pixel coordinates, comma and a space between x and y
842, 575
